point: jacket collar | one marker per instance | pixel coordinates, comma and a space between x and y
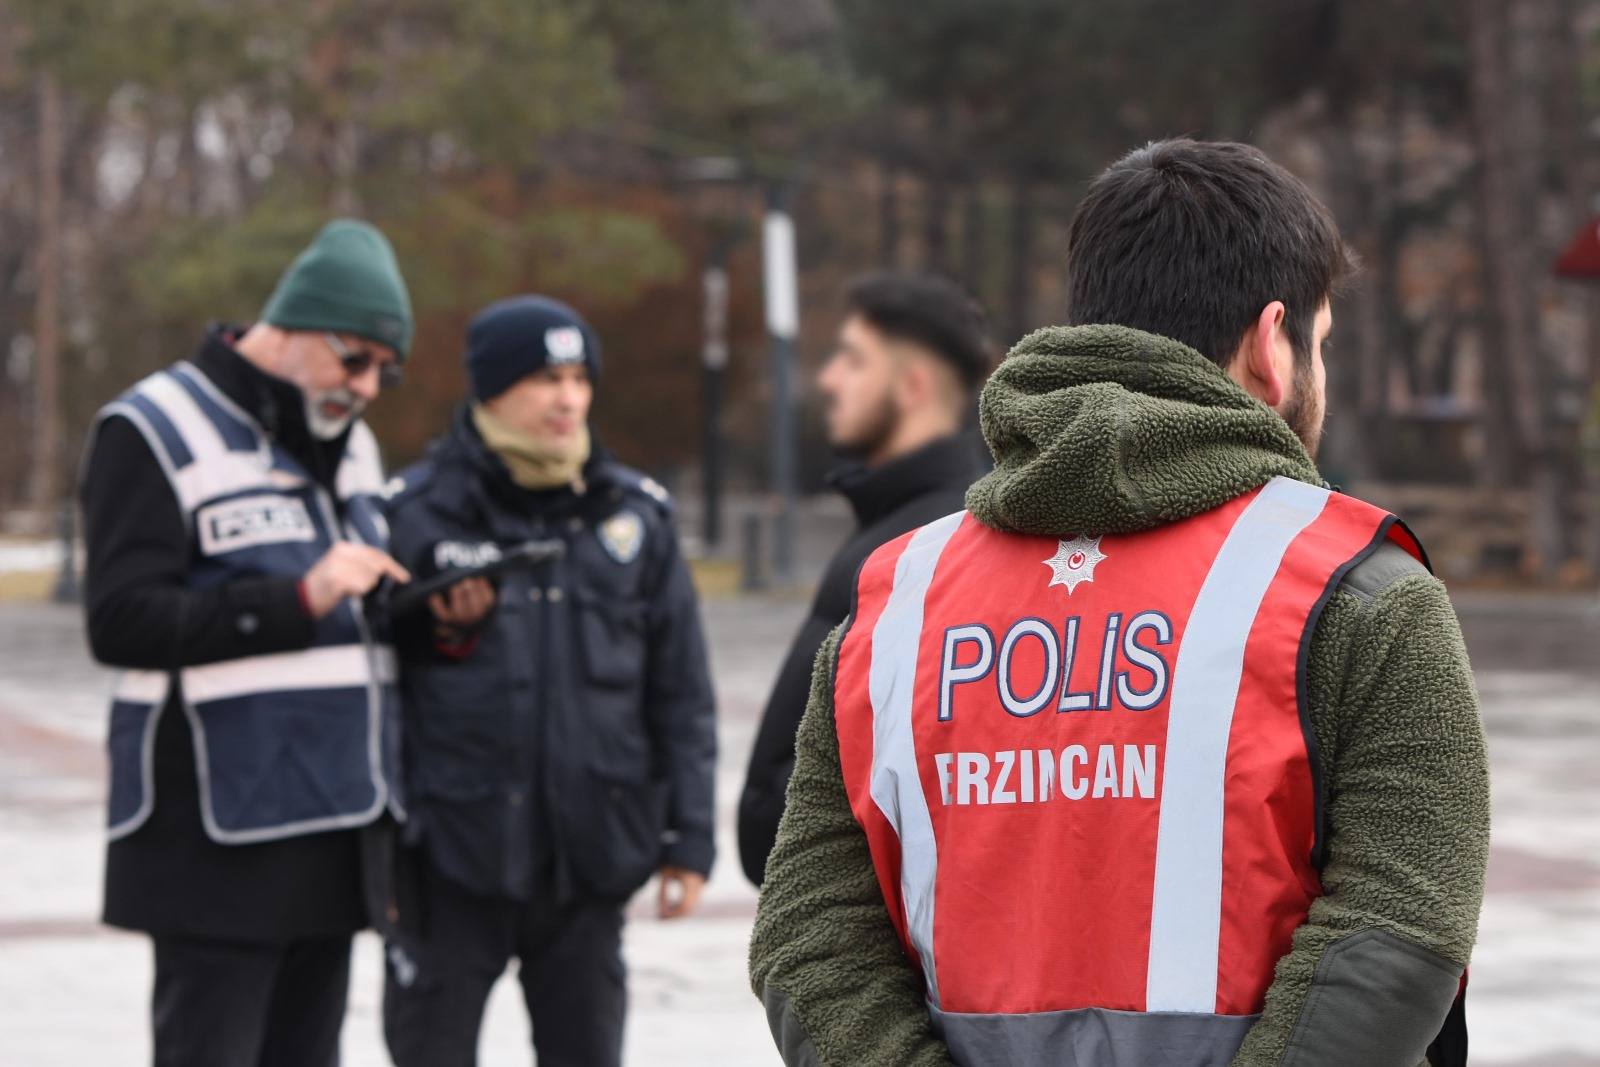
873, 492
276, 405
1106, 429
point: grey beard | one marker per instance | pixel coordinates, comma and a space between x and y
325, 429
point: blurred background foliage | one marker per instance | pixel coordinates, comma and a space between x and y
603, 150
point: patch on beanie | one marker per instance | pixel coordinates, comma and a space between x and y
564, 344
389, 329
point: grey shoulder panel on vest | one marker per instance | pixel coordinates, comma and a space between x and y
794, 1044
1375, 998
408, 484
1388, 564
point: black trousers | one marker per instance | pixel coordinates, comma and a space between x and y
235, 1004
437, 979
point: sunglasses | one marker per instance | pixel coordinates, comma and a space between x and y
357, 361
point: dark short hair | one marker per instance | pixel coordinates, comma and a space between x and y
930, 311
1191, 239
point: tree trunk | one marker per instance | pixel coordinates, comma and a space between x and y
46, 492
972, 236
1533, 24
936, 201
1503, 333
1576, 167
888, 216
1505, 136
1348, 448
1019, 288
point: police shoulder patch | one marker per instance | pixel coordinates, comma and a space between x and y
622, 536
641, 488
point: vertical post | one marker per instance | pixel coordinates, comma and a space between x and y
781, 290
66, 587
751, 578
46, 488
715, 358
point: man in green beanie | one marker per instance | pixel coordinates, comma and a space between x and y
231, 511
1162, 752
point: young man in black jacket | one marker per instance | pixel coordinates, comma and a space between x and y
231, 517
560, 742
911, 352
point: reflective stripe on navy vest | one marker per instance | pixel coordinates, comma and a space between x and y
1084, 774
285, 744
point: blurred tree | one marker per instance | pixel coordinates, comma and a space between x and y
494, 141
509, 146
1037, 96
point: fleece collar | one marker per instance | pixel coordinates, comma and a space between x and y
1105, 429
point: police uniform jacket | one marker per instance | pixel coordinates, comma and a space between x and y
574, 741
167, 872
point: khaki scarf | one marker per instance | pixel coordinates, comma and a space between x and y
533, 464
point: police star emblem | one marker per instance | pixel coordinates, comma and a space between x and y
1074, 562
622, 535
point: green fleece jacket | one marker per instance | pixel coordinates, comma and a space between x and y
1100, 429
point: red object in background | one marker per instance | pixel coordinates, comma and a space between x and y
1582, 256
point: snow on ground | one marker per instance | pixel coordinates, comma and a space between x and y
73, 992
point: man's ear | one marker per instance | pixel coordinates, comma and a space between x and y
1255, 365
914, 382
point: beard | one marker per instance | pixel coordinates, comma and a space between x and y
1305, 411
874, 432
326, 427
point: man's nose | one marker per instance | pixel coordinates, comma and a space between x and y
366, 385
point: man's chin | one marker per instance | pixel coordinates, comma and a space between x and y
326, 431
849, 447
326, 427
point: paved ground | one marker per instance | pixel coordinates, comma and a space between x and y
72, 992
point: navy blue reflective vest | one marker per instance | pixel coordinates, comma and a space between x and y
289, 743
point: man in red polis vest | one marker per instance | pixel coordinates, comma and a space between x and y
1162, 753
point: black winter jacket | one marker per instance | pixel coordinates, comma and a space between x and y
888, 501
168, 877
575, 742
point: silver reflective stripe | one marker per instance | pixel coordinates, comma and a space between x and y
1186, 909
328, 667
361, 470
196, 377
895, 785
214, 470
148, 688
1094, 1037
142, 687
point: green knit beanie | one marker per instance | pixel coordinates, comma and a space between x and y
346, 281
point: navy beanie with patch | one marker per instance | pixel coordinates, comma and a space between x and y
511, 339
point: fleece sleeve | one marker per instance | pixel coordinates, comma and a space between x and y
1376, 966
824, 958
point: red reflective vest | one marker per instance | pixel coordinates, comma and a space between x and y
1085, 771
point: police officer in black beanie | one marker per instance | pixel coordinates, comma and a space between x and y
559, 725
